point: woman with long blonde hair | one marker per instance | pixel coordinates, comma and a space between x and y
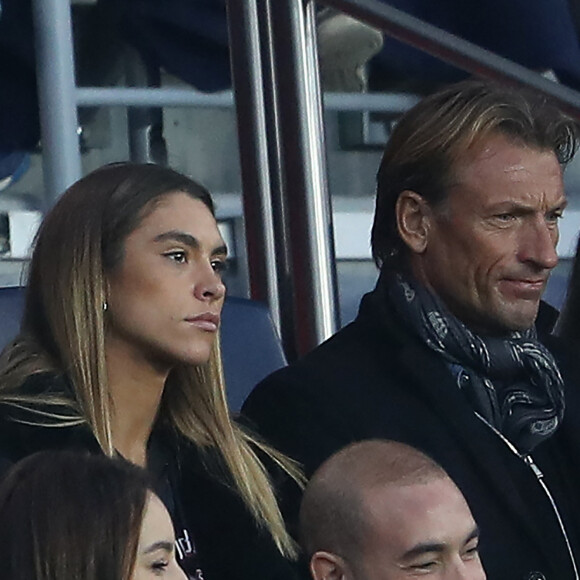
118, 354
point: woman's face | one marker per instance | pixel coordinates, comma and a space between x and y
156, 549
165, 296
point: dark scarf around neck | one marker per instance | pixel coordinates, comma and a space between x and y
513, 382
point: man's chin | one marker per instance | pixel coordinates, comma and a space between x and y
504, 319
516, 317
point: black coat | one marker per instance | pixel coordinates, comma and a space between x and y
229, 544
375, 380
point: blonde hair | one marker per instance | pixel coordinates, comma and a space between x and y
428, 141
63, 331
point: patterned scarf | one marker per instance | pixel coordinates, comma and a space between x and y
513, 381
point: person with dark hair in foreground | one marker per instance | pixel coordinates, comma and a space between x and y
444, 354
382, 510
118, 354
69, 515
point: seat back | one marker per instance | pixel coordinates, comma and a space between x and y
11, 306
251, 349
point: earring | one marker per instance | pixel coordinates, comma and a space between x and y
105, 306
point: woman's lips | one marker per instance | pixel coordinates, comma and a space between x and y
206, 321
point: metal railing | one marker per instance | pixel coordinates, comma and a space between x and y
455, 50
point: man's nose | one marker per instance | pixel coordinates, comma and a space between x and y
538, 244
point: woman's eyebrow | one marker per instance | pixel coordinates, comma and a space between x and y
178, 236
188, 240
161, 545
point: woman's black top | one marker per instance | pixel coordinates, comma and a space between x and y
217, 537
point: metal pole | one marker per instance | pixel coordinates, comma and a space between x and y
396, 103
455, 50
145, 124
304, 170
61, 156
322, 269
247, 74
152, 97
280, 213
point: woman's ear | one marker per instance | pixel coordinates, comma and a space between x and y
413, 217
328, 566
106, 293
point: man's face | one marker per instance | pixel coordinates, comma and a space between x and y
418, 530
491, 245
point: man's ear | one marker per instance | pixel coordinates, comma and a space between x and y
328, 566
413, 217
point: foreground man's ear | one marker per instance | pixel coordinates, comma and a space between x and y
413, 216
328, 566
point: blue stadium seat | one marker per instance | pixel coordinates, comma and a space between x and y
251, 348
11, 305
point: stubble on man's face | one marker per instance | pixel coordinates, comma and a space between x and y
492, 247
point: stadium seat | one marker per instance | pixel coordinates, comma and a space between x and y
251, 348
11, 304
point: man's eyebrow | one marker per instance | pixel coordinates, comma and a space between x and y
188, 240
427, 547
562, 204
472, 536
511, 205
162, 545
423, 548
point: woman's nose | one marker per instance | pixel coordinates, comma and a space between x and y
209, 285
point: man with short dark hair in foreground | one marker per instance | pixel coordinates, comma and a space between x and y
444, 354
382, 510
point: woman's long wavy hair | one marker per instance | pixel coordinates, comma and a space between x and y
63, 330
71, 515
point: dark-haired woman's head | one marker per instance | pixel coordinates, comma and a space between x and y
69, 515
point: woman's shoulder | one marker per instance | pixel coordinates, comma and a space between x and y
46, 382
37, 417
40, 395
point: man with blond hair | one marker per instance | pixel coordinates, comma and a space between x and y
451, 352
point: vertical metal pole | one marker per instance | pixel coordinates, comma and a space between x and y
280, 213
145, 124
248, 81
323, 269
304, 170
56, 95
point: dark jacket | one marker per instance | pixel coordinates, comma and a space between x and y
375, 380
229, 544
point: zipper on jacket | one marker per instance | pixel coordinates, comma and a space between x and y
528, 460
